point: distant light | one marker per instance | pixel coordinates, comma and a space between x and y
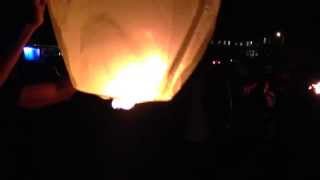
216, 62
278, 34
231, 60
315, 88
229, 43
265, 40
241, 43
251, 42
31, 53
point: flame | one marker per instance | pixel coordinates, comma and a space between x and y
140, 81
125, 104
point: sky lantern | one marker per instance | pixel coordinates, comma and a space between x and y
132, 51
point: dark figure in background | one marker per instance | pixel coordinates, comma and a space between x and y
15, 33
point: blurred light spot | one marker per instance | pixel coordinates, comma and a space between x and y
31, 53
315, 88
278, 34
265, 40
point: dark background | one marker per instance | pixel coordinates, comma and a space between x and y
85, 138
249, 18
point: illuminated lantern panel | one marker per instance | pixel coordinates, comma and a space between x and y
132, 51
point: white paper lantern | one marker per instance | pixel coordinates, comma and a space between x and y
132, 51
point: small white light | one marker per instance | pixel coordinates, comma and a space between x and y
265, 40
278, 34
315, 87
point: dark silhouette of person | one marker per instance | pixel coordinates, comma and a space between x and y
16, 32
16, 35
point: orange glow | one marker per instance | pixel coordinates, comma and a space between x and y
138, 82
132, 51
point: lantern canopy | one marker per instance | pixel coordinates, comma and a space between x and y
132, 51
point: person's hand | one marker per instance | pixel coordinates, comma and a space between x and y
38, 9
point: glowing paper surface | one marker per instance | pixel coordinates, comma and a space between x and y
132, 50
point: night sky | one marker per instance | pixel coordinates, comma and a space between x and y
245, 19
251, 18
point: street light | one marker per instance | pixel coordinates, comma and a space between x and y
278, 34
